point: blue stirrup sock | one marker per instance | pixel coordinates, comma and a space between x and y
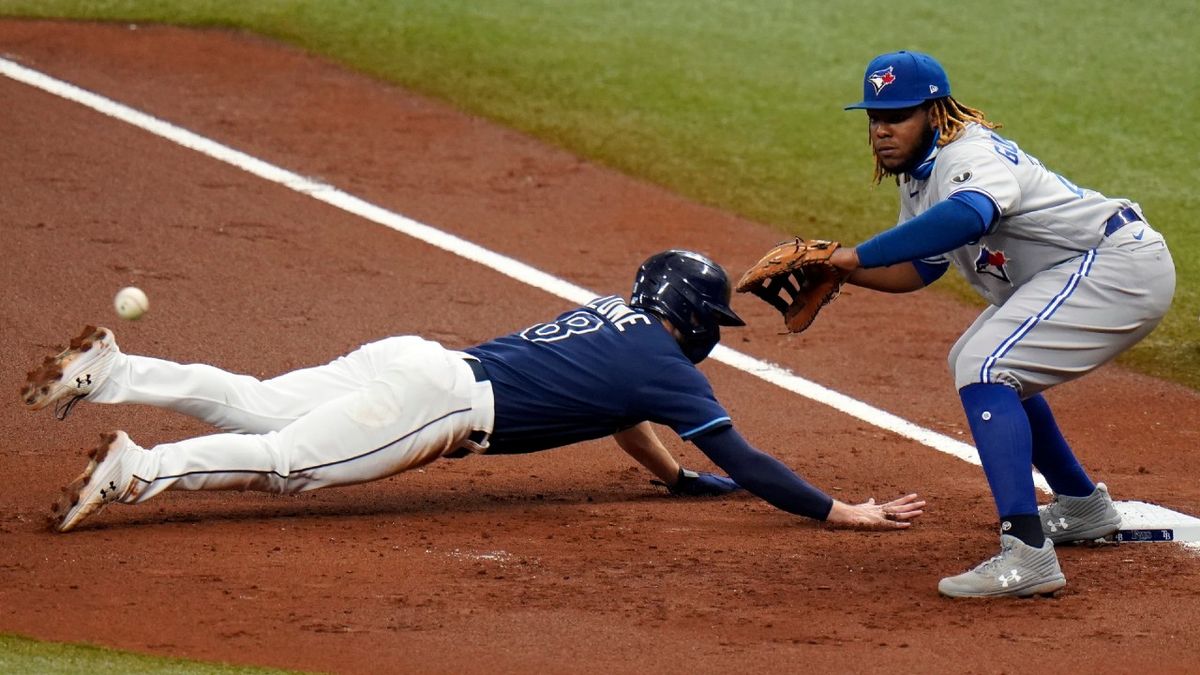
1051, 453
1005, 442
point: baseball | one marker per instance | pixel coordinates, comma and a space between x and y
131, 303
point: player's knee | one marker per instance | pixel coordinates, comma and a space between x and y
974, 368
954, 360
965, 368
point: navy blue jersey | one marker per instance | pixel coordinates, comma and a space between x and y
590, 373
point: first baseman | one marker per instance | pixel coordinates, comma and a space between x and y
608, 368
1073, 279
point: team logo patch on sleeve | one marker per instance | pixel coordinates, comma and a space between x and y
992, 263
881, 78
961, 178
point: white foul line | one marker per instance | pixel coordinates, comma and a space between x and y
500, 263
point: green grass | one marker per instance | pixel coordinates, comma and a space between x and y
22, 655
737, 103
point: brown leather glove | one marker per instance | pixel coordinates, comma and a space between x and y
801, 269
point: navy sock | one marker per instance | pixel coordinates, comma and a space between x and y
1051, 453
1005, 443
1026, 526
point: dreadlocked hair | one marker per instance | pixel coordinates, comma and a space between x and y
950, 118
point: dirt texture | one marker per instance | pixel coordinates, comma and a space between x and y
562, 561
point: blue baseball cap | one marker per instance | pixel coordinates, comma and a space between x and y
902, 80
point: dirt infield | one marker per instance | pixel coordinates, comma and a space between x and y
560, 561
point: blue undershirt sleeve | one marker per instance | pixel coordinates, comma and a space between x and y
931, 271
763, 475
964, 217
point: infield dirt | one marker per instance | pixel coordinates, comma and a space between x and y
560, 561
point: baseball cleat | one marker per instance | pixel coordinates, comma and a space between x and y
107, 478
1073, 519
64, 379
1019, 571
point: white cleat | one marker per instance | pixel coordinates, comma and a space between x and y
107, 478
78, 370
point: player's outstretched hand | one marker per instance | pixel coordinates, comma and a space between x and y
894, 515
700, 484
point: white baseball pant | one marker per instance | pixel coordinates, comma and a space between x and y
387, 407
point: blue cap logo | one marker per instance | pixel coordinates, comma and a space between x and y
881, 78
902, 80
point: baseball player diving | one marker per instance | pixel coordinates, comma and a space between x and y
608, 368
1073, 279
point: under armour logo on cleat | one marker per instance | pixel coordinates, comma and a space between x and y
85, 381
1009, 577
1062, 522
112, 487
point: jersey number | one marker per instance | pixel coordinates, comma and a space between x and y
575, 324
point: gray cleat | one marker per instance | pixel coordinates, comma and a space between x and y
1019, 570
1071, 519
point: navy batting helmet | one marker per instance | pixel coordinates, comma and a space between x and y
690, 291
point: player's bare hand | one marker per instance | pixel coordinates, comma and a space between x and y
897, 514
845, 258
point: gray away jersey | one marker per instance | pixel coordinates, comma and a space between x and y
1044, 218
